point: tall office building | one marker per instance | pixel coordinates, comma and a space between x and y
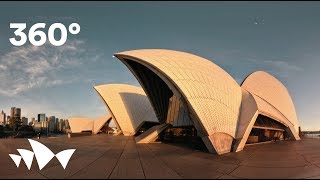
52, 118
41, 117
52, 123
40, 126
24, 121
60, 125
15, 112
12, 111
66, 124
3, 118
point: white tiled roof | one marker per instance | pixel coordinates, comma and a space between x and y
79, 124
128, 104
211, 92
269, 89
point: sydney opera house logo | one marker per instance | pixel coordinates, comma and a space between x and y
43, 155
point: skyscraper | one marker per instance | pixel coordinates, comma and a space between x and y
2, 118
66, 124
41, 117
53, 118
15, 112
12, 111
24, 121
52, 123
60, 125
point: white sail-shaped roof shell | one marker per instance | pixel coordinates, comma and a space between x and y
271, 92
212, 95
264, 94
79, 124
128, 105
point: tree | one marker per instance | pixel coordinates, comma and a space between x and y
26, 128
14, 123
2, 134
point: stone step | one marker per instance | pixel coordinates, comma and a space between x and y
151, 134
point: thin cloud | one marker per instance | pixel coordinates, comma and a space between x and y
283, 65
27, 67
280, 68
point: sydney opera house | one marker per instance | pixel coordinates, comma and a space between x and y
128, 107
181, 90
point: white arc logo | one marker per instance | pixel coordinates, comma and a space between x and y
43, 155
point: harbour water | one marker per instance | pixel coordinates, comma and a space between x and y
312, 136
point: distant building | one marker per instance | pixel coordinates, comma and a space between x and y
60, 125
40, 126
3, 118
8, 118
52, 123
12, 111
15, 112
52, 126
66, 124
24, 121
41, 117
53, 118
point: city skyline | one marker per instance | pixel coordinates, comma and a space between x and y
241, 37
31, 118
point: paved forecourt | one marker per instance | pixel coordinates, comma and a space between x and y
106, 156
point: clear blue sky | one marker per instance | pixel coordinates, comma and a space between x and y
281, 38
